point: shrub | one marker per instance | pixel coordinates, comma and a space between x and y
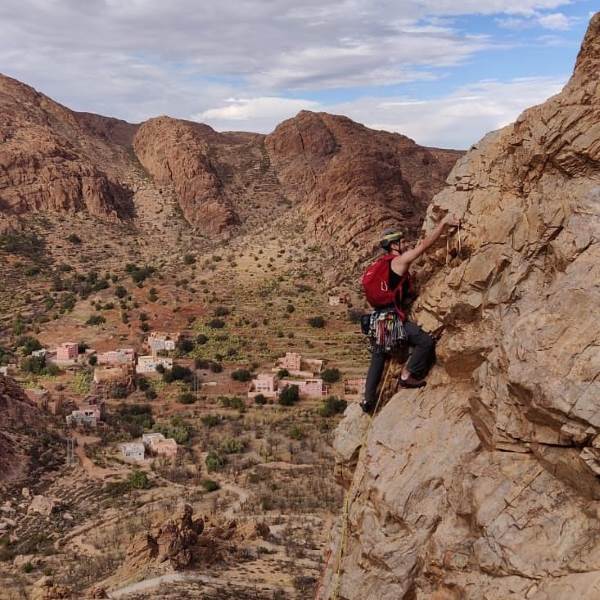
189, 259
144, 326
216, 324
233, 446
221, 311
289, 395
214, 462
283, 373
201, 339
211, 420
74, 239
185, 345
260, 399
186, 398
95, 320
216, 367
210, 485
138, 480
142, 383
241, 375
317, 322
93, 360
232, 402
202, 363
28, 344
290, 308
120, 291
331, 375
332, 406
150, 394
296, 433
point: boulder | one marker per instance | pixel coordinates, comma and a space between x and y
43, 505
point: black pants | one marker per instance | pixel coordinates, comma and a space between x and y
422, 357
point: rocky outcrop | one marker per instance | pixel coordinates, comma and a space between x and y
485, 484
351, 182
24, 437
48, 161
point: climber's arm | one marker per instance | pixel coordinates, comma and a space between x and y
401, 263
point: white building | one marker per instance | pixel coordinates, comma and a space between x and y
86, 416
148, 364
133, 451
265, 384
121, 356
39, 353
158, 341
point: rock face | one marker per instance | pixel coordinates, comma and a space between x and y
485, 484
352, 182
49, 160
21, 429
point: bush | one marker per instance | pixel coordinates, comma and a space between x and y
189, 259
221, 311
186, 398
210, 485
119, 391
142, 383
216, 367
332, 406
185, 345
260, 399
74, 239
232, 402
211, 420
120, 291
95, 320
296, 433
216, 324
290, 308
283, 373
28, 344
93, 360
289, 395
241, 375
214, 462
144, 326
317, 322
138, 480
150, 394
330, 375
233, 446
201, 339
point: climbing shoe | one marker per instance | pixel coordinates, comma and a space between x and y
411, 382
368, 407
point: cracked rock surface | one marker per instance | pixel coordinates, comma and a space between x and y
485, 483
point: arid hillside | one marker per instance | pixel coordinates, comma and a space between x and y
485, 484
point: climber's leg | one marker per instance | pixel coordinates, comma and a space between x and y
373, 378
421, 358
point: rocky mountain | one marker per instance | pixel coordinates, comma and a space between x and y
347, 181
23, 434
485, 484
48, 160
351, 181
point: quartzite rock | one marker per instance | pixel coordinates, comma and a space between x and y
485, 483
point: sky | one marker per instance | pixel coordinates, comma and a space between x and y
443, 72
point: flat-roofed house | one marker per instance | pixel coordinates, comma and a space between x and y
67, 352
121, 356
311, 388
265, 384
148, 364
133, 451
162, 341
88, 415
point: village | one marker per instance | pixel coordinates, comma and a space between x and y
116, 373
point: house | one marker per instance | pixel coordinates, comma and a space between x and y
158, 444
265, 384
355, 387
298, 366
133, 451
122, 356
67, 352
4, 370
161, 341
148, 364
292, 361
311, 388
8, 369
88, 415
39, 353
334, 300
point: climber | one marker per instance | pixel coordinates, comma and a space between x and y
388, 288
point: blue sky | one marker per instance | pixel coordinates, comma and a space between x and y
443, 72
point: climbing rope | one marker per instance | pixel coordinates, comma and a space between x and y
347, 500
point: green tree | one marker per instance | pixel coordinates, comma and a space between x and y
289, 395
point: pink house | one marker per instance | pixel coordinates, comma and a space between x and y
122, 356
265, 384
166, 448
69, 351
355, 387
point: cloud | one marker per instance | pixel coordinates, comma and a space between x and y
456, 120
554, 21
557, 21
260, 114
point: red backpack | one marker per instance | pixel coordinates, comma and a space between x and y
375, 282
